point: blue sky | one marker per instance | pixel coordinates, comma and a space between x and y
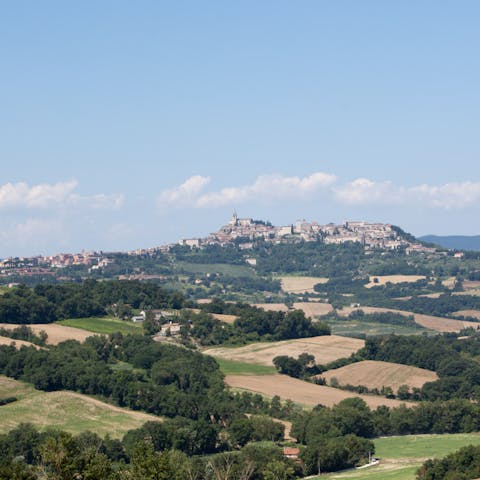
132, 124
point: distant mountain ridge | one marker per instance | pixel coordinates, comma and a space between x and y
456, 242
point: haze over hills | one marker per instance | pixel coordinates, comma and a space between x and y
455, 242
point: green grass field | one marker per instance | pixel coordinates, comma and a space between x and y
422, 446
68, 411
231, 367
103, 325
401, 456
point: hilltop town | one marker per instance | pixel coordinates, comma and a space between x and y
242, 232
245, 231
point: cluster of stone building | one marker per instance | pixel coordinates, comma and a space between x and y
245, 231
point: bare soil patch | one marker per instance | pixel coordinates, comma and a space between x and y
325, 349
56, 333
438, 324
301, 392
374, 374
384, 279
301, 284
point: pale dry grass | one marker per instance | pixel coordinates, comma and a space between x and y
301, 284
439, 324
56, 333
301, 392
384, 279
375, 374
325, 349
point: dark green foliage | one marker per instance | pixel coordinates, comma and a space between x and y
336, 453
463, 464
252, 324
48, 303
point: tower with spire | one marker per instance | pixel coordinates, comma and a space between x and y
234, 220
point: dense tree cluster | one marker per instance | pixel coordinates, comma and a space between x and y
48, 303
252, 324
463, 464
156, 451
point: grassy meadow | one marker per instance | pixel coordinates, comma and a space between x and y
352, 328
231, 367
65, 410
103, 325
401, 456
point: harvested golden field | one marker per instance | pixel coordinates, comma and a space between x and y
475, 293
218, 316
384, 279
313, 309
467, 313
68, 411
325, 349
471, 284
272, 307
18, 343
374, 374
438, 324
301, 392
301, 284
224, 318
449, 282
56, 333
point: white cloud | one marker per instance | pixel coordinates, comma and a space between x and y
363, 191
265, 188
183, 195
45, 195
268, 188
38, 196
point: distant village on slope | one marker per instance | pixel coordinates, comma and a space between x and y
244, 231
238, 231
